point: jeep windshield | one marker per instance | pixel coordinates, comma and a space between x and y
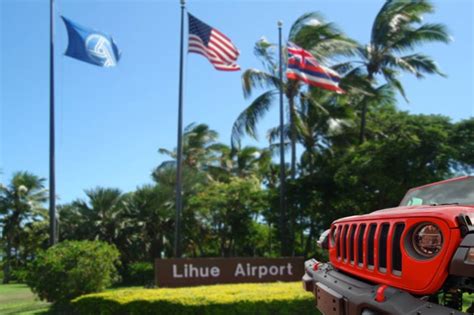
457, 192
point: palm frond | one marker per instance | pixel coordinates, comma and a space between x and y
313, 102
422, 64
384, 95
307, 19
265, 51
427, 33
343, 67
253, 78
391, 77
417, 64
324, 39
273, 134
167, 152
247, 121
395, 16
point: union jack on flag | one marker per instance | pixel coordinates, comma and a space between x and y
212, 44
303, 66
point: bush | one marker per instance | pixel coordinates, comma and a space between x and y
73, 268
273, 298
139, 273
19, 275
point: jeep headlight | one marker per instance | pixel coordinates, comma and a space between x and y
427, 240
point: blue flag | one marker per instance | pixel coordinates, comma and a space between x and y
91, 46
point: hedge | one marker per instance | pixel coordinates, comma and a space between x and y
272, 298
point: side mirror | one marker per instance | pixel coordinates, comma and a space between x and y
323, 241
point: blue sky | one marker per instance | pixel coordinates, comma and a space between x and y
111, 122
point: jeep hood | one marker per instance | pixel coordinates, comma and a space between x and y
446, 212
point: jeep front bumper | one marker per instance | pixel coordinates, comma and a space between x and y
339, 294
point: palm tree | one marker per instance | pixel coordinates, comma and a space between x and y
311, 32
102, 213
241, 162
20, 202
198, 147
396, 32
152, 214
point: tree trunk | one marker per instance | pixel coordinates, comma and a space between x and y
309, 240
156, 248
6, 262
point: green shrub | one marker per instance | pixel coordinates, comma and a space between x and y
139, 273
262, 299
19, 275
73, 268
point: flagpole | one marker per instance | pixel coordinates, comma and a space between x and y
52, 173
282, 149
179, 171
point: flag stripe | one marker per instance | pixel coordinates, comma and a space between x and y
197, 42
321, 73
220, 53
296, 62
198, 49
212, 44
303, 66
226, 43
318, 83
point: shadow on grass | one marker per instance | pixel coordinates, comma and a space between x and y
58, 309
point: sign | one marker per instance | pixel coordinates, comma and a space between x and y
201, 271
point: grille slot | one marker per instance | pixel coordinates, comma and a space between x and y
360, 247
351, 243
383, 247
370, 246
374, 246
343, 241
396, 250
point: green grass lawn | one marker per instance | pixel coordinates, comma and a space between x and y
18, 299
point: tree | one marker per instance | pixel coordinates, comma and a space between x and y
324, 40
151, 215
102, 214
226, 213
311, 32
397, 30
21, 202
462, 141
199, 144
241, 162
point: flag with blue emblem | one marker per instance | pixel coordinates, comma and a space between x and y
91, 46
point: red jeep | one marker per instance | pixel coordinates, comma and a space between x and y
417, 258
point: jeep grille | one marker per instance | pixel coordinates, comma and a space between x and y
370, 246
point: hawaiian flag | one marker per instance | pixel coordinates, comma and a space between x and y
212, 44
303, 66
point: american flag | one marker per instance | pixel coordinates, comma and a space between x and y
212, 44
303, 66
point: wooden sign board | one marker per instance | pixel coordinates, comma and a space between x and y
202, 271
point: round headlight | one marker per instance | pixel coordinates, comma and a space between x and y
427, 240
